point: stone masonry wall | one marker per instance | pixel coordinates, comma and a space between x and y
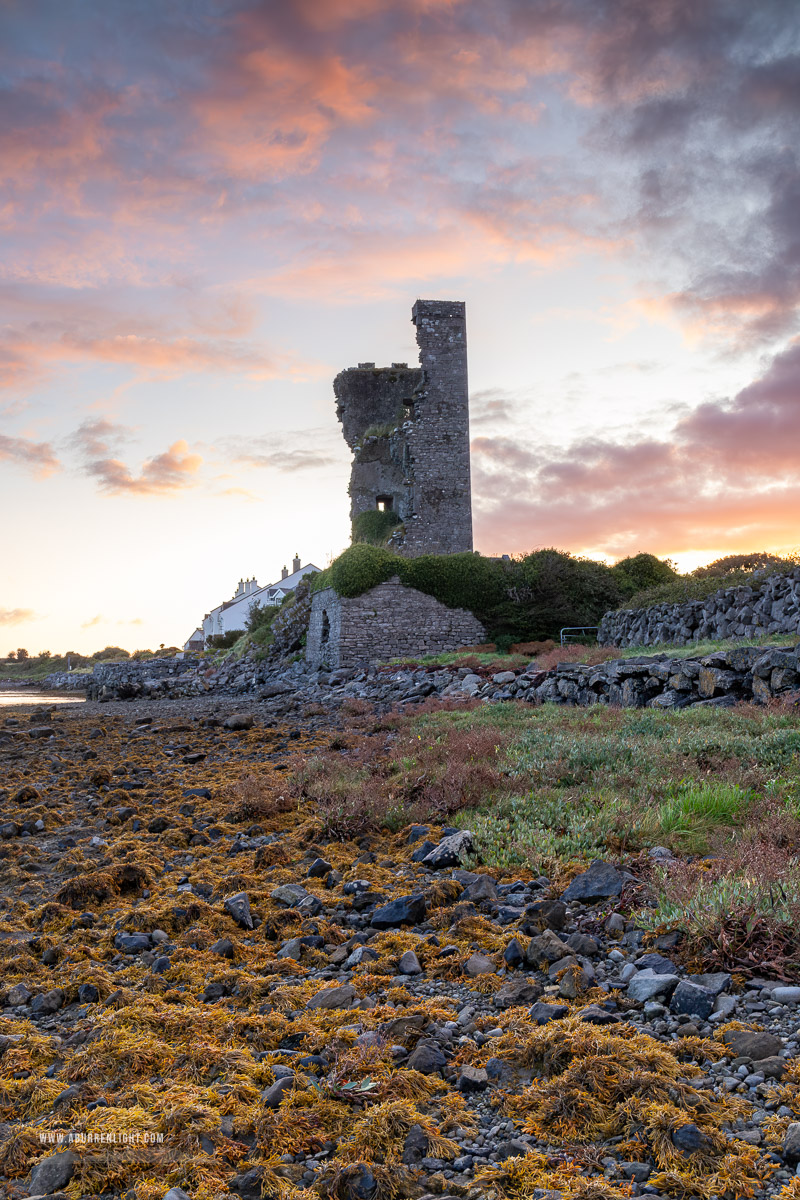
738, 612
408, 428
389, 621
439, 435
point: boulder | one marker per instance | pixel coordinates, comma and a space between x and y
238, 907
473, 1079
478, 964
750, 1043
450, 852
648, 984
542, 1012
273, 1095
517, 991
405, 910
335, 997
427, 1058
52, 1173
692, 999
601, 882
409, 964
238, 721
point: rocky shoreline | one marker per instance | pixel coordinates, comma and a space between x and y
748, 673
187, 959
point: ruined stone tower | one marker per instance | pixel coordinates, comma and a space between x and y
408, 428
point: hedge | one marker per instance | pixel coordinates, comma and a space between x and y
527, 598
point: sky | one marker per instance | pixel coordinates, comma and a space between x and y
210, 207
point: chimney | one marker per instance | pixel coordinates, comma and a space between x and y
284, 572
295, 564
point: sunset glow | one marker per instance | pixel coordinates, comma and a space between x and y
209, 209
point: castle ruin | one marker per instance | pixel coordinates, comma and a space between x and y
408, 428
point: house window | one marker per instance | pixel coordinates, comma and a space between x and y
326, 628
384, 503
408, 410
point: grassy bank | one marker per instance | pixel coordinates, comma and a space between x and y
549, 789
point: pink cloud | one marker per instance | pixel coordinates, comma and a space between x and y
38, 457
728, 477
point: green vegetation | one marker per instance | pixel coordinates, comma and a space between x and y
520, 599
225, 641
735, 570
375, 526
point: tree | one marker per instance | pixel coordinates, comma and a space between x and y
640, 571
115, 653
22, 654
12, 656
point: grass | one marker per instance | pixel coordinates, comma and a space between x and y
576, 652
545, 788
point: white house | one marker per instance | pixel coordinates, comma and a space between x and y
234, 613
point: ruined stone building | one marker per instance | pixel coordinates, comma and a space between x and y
408, 428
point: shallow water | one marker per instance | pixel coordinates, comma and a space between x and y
30, 696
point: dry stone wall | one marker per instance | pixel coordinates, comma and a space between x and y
389, 621
772, 607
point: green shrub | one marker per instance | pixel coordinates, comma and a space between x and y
261, 616
701, 583
357, 570
224, 641
374, 526
640, 571
517, 600
458, 580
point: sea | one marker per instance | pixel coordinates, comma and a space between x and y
30, 697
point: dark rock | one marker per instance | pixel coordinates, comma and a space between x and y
541, 1012
791, 1143
513, 1148
319, 868
693, 1000
517, 991
289, 895
473, 1079
483, 888
48, 1002
478, 964
223, 947
405, 910
545, 914
595, 1014
88, 994
132, 943
747, 1043
248, 1184
601, 882
514, 955
52, 1173
689, 1139
415, 1147
273, 1095
238, 907
426, 1058
359, 1183
656, 963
